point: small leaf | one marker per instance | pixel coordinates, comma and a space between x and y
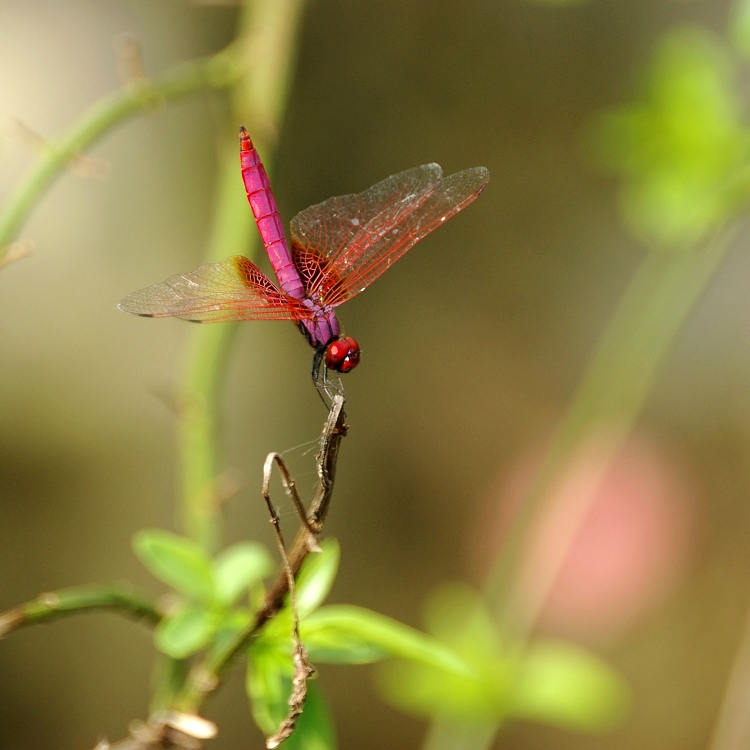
238, 568
182, 634
316, 577
348, 634
556, 683
228, 625
177, 561
333, 645
565, 685
682, 149
457, 615
315, 729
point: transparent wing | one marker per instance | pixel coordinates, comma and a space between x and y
346, 221
234, 289
361, 236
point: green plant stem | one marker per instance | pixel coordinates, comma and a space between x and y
266, 46
609, 400
732, 730
266, 43
207, 359
612, 392
56, 604
258, 68
220, 71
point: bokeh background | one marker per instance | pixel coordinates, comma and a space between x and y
472, 349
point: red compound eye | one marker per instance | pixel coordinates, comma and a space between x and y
342, 355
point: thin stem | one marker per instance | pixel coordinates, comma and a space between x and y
54, 605
732, 731
267, 45
220, 71
270, 29
207, 359
206, 676
611, 395
302, 669
291, 489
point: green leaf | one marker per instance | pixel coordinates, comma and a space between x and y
268, 685
457, 616
315, 730
239, 567
433, 694
316, 577
331, 640
183, 633
553, 682
682, 150
229, 623
352, 635
565, 685
177, 561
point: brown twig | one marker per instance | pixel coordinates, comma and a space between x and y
206, 676
302, 668
302, 673
291, 489
335, 429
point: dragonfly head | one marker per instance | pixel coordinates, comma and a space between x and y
342, 354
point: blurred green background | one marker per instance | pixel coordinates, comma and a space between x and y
471, 348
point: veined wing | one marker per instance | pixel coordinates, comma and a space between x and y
396, 227
370, 260
234, 289
343, 225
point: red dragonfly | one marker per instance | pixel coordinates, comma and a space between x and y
338, 248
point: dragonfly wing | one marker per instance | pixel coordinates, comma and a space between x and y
330, 227
382, 243
234, 289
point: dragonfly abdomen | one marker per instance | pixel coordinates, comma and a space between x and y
266, 213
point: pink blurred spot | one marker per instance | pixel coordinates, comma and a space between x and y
613, 542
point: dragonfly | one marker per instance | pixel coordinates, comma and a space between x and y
338, 248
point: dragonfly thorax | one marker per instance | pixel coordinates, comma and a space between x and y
321, 327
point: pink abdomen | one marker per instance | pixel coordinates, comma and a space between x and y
263, 204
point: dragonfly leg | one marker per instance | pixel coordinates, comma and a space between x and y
332, 384
317, 360
327, 382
